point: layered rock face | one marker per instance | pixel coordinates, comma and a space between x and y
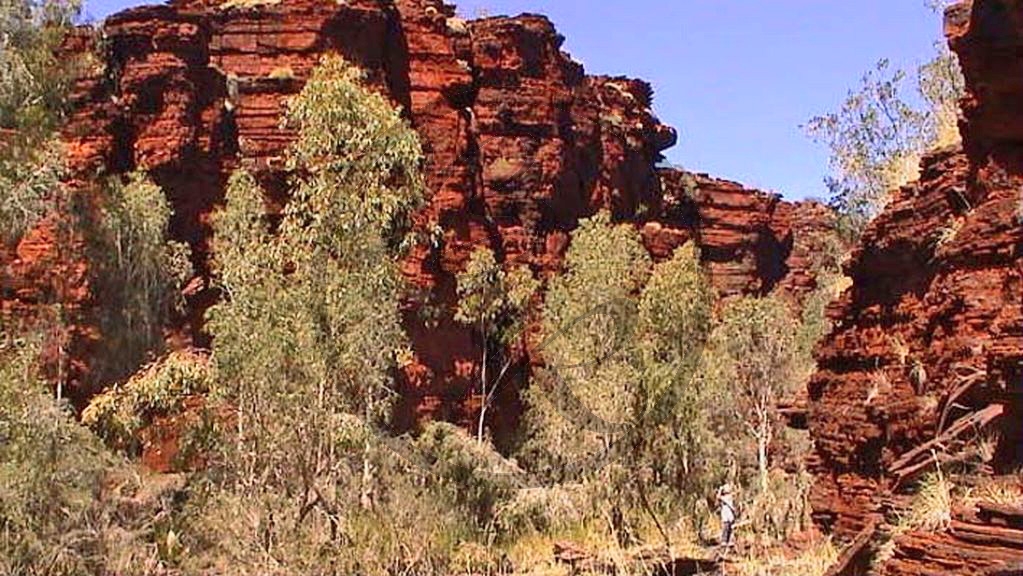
926, 361
520, 145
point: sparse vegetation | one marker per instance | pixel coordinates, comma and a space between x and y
492, 303
120, 413
813, 561
877, 138
59, 490
645, 391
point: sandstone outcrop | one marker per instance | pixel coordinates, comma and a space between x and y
520, 144
926, 361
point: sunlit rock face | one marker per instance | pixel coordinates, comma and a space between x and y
520, 145
931, 331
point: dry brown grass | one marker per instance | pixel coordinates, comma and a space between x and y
1003, 491
813, 561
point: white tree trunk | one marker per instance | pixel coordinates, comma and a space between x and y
484, 392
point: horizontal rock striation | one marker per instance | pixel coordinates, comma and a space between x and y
980, 539
926, 360
520, 144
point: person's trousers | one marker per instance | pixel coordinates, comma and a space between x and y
726, 533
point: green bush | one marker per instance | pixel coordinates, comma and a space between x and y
138, 275
62, 495
580, 402
34, 80
161, 389
307, 336
29, 182
34, 84
470, 475
493, 303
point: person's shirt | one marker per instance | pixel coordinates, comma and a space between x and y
727, 508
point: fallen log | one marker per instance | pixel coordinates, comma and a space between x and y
916, 470
856, 555
968, 382
976, 420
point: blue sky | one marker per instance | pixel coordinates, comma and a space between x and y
737, 78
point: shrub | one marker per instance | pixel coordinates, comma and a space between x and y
34, 84
470, 475
34, 80
307, 336
545, 509
160, 389
29, 183
61, 494
138, 273
579, 404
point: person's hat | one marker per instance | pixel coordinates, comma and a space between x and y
726, 489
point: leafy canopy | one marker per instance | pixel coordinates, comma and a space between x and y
306, 337
34, 84
882, 129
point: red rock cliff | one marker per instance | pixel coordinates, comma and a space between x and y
927, 353
520, 144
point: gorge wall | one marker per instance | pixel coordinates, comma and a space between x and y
926, 360
520, 145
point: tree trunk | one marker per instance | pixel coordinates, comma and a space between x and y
763, 441
484, 393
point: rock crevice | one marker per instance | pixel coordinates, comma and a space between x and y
520, 144
928, 346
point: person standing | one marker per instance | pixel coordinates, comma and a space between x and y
727, 502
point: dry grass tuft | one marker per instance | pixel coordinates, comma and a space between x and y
932, 507
247, 4
814, 561
1003, 491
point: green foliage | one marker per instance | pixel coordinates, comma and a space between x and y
620, 406
470, 476
755, 343
138, 272
827, 252
488, 295
883, 128
875, 140
589, 318
410, 531
57, 507
306, 338
493, 302
33, 80
34, 84
545, 509
120, 413
27, 183
363, 163
674, 321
